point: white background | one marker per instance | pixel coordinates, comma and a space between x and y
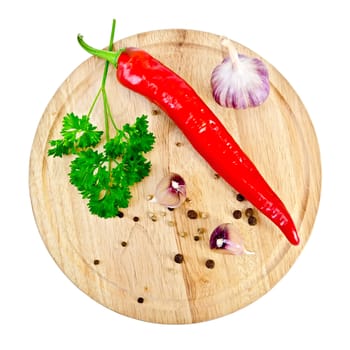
307, 41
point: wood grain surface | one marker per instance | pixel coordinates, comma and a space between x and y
139, 278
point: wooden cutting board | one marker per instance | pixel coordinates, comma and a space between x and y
127, 264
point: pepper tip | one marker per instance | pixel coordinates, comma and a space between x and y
295, 238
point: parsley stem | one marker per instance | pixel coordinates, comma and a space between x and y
107, 112
94, 102
102, 89
106, 107
112, 121
110, 48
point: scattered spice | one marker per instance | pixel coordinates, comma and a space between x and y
183, 234
210, 264
252, 220
179, 258
240, 197
171, 209
201, 230
203, 215
155, 112
96, 262
216, 176
152, 216
124, 244
192, 214
196, 238
249, 212
136, 218
178, 144
140, 300
237, 214
149, 197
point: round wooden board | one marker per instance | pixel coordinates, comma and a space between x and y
278, 136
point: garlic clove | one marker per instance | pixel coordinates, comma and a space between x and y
171, 191
226, 238
239, 81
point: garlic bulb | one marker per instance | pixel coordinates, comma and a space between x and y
239, 81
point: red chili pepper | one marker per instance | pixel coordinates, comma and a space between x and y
142, 73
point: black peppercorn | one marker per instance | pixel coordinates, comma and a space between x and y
240, 197
249, 212
252, 220
210, 264
237, 214
140, 300
179, 258
192, 214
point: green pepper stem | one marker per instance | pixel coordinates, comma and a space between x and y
110, 56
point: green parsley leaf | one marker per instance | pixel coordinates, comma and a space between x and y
77, 134
105, 177
88, 170
106, 202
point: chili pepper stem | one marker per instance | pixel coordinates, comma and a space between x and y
109, 56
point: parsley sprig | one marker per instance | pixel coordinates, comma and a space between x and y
77, 135
105, 177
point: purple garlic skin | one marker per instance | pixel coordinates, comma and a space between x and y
240, 81
226, 238
171, 191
